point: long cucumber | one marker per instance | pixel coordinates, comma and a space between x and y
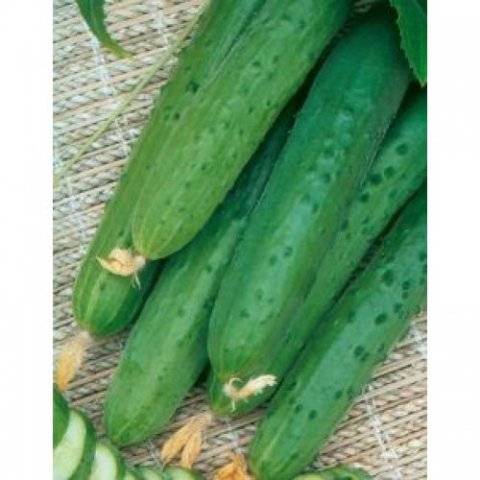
336, 135
194, 167
397, 172
166, 351
104, 303
338, 361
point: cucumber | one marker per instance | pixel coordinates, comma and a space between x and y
193, 167
338, 361
397, 172
166, 351
105, 303
151, 474
132, 475
178, 473
328, 153
341, 472
108, 464
61, 414
73, 456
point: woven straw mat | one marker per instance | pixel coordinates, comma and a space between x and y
386, 430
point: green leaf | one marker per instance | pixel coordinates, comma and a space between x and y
412, 22
93, 12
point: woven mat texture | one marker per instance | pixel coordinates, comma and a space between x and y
386, 430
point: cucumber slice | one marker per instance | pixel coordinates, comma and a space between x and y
177, 473
152, 474
73, 456
61, 414
108, 464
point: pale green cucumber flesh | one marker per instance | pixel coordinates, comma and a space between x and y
336, 364
73, 456
328, 153
166, 351
397, 172
107, 465
105, 303
222, 130
61, 414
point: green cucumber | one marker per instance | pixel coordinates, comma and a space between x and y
193, 167
105, 303
61, 414
341, 472
73, 456
355, 337
108, 464
132, 475
151, 474
327, 155
166, 351
397, 172
178, 473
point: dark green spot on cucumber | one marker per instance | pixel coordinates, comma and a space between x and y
381, 318
402, 149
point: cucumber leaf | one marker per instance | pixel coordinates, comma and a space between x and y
412, 22
93, 12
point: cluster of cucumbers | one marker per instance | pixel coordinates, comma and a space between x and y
278, 197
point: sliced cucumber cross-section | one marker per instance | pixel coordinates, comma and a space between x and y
108, 464
72, 457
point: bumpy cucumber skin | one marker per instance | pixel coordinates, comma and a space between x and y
166, 351
61, 414
341, 472
329, 151
104, 303
194, 168
85, 467
397, 172
361, 328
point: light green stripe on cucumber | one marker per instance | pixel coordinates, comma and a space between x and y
372, 314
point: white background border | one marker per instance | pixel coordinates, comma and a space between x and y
26, 239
